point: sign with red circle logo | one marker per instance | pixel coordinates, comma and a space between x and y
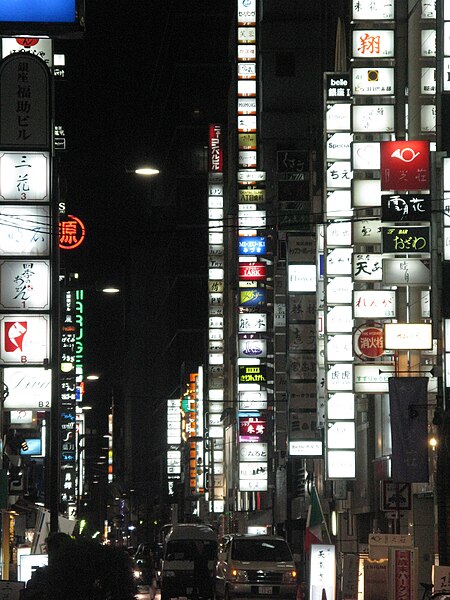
71, 233
369, 341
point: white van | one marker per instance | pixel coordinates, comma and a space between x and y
188, 563
251, 566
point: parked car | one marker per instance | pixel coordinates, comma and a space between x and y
254, 566
145, 564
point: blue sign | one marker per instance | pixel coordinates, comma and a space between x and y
252, 297
252, 245
38, 11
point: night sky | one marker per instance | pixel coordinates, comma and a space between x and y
128, 86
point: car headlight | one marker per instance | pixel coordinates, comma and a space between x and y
169, 573
239, 575
289, 577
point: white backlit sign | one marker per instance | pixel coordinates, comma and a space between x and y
253, 452
338, 146
366, 155
339, 290
373, 379
339, 233
428, 118
24, 284
367, 267
305, 448
373, 43
373, 81
253, 348
339, 174
372, 10
339, 203
341, 434
372, 118
428, 81
252, 322
253, 485
340, 347
407, 271
302, 278
341, 405
253, 400
367, 232
338, 117
429, 41
366, 192
254, 219
24, 230
341, 464
340, 377
339, 319
408, 336
369, 304
339, 261
24, 176
323, 572
246, 88
24, 339
29, 388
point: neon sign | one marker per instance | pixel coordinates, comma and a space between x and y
71, 233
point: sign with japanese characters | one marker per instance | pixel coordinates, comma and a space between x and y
305, 448
373, 43
408, 336
252, 218
339, 319
252, 297
71, 233
253, 452
253, 245
322, 572
338, 117
41, 47
339, 261
372, 10
406, 240
341, 434
24, 230
367, 267
253, 400
406, 271
406, 207
369, 304
405, 165
341, 464
29, 388
24, 284
369, 341
372, 81
373, 118
252, 429
373, 379
252, 323
339, 290
24, 88
339, 174
24, 177
337, 87
246, 12
253, 373
340, 377
341, 405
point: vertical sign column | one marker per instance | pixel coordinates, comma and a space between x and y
25, 243
216, 274
338, 287
253, 265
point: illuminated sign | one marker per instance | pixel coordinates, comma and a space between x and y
24, 176
338, 87
339, 146
341, 464
24, 338
252, 322
369, 342
24, 284
374, 303
253, 452
408, 336
38, 11
252, 297
323, 571
406, 271
367, 267
341, 434
252, 271
372, 81
407, 240
403, 207
252, 373
302, 278
253, 400
371, 118
373, 43
252, 429
29, 388
405, 165
253, 347
305, 448
215, 148
338, 117
71, 233
252, 245
24, 230
41, 47
371, 10
366, 155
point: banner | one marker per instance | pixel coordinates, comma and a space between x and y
408, 405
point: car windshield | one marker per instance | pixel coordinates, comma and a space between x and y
261, 550
191, 550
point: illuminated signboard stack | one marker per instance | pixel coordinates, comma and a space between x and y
216, 270
337, 281
253, 267
173, 446
25, 241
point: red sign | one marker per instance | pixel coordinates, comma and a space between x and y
252, 429
71, 233
403, 575
215, 149
369, 342
252, 271
405, 165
